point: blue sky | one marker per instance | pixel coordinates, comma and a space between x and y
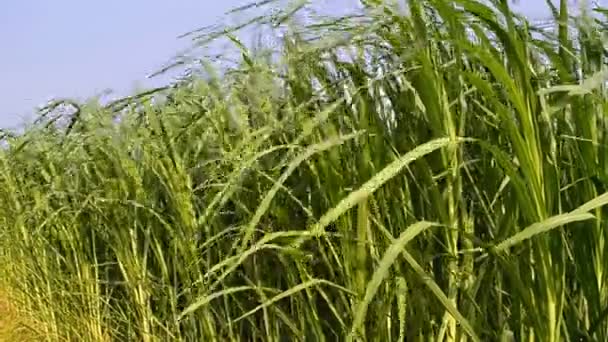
75, 48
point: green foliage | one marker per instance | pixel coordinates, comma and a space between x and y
437, 175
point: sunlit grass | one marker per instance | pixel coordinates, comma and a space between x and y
15, 325
440, 175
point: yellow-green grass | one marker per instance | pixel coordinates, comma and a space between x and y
13, 326
444, 182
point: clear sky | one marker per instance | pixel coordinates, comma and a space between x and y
76, 48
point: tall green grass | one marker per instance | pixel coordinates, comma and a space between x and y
430, 174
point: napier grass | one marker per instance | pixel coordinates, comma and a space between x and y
431, 173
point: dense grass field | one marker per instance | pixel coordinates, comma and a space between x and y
433, 172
